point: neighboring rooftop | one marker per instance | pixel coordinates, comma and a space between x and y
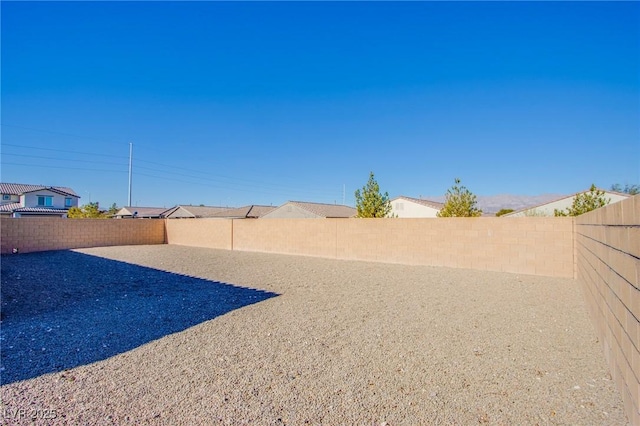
249, 212
428, 203
22, 188
326, 210
562, 202
189, 211
141, 212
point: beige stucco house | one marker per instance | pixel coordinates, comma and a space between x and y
304, 210
547, 209
403, 206
194, 212
140, 212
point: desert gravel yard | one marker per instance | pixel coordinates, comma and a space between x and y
174, 335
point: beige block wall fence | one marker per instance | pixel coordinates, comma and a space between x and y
540, 246
608, 268
601, 249
31, 234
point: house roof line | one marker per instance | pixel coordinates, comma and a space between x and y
324, 209
143, 211
422, 201
24, 188
562, 198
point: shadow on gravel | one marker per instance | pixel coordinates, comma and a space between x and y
62, 309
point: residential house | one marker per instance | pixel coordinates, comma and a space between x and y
23, 200
414, 207
141, 213
547, 209
303, 210
246, 212
191, 212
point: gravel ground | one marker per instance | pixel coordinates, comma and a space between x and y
294, 340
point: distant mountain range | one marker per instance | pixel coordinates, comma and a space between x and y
490, 204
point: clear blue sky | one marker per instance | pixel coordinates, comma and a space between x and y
260, 103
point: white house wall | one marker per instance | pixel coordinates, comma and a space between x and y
31, 199
12, 199
406, 208
549, 208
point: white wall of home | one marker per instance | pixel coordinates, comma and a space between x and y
57, 200
405, 208
549, 208
10, 198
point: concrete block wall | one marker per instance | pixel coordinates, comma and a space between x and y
608, 269
602, 249
209, 233
43, 233
308, 237
539, 246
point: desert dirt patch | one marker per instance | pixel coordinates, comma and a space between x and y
336, 342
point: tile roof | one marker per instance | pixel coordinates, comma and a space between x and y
21, 188
563, 198
200, 211
41, 210
326, 210
259, 211
9, 207
251, 211
17, 207
142, 211
428, 203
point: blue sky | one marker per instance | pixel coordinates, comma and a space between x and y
259, 103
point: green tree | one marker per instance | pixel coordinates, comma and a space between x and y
503, 212
92, 211
88, 211
75, 213
459, 202
627, 189
370, 202
584, 202
112, 210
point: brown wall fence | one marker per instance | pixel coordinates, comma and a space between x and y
608, 269
540, 246
209, 233
29, 234
600, 248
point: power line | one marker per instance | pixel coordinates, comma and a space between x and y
229, 182
221, 186
64, 167
231, 185
209, 185
221, 181
76, 136
208, 173
56, 133
64, 150
59, 159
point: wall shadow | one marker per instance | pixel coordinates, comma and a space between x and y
62, 309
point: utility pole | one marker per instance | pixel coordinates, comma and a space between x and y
130, 162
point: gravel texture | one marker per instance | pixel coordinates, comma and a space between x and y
153, 335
